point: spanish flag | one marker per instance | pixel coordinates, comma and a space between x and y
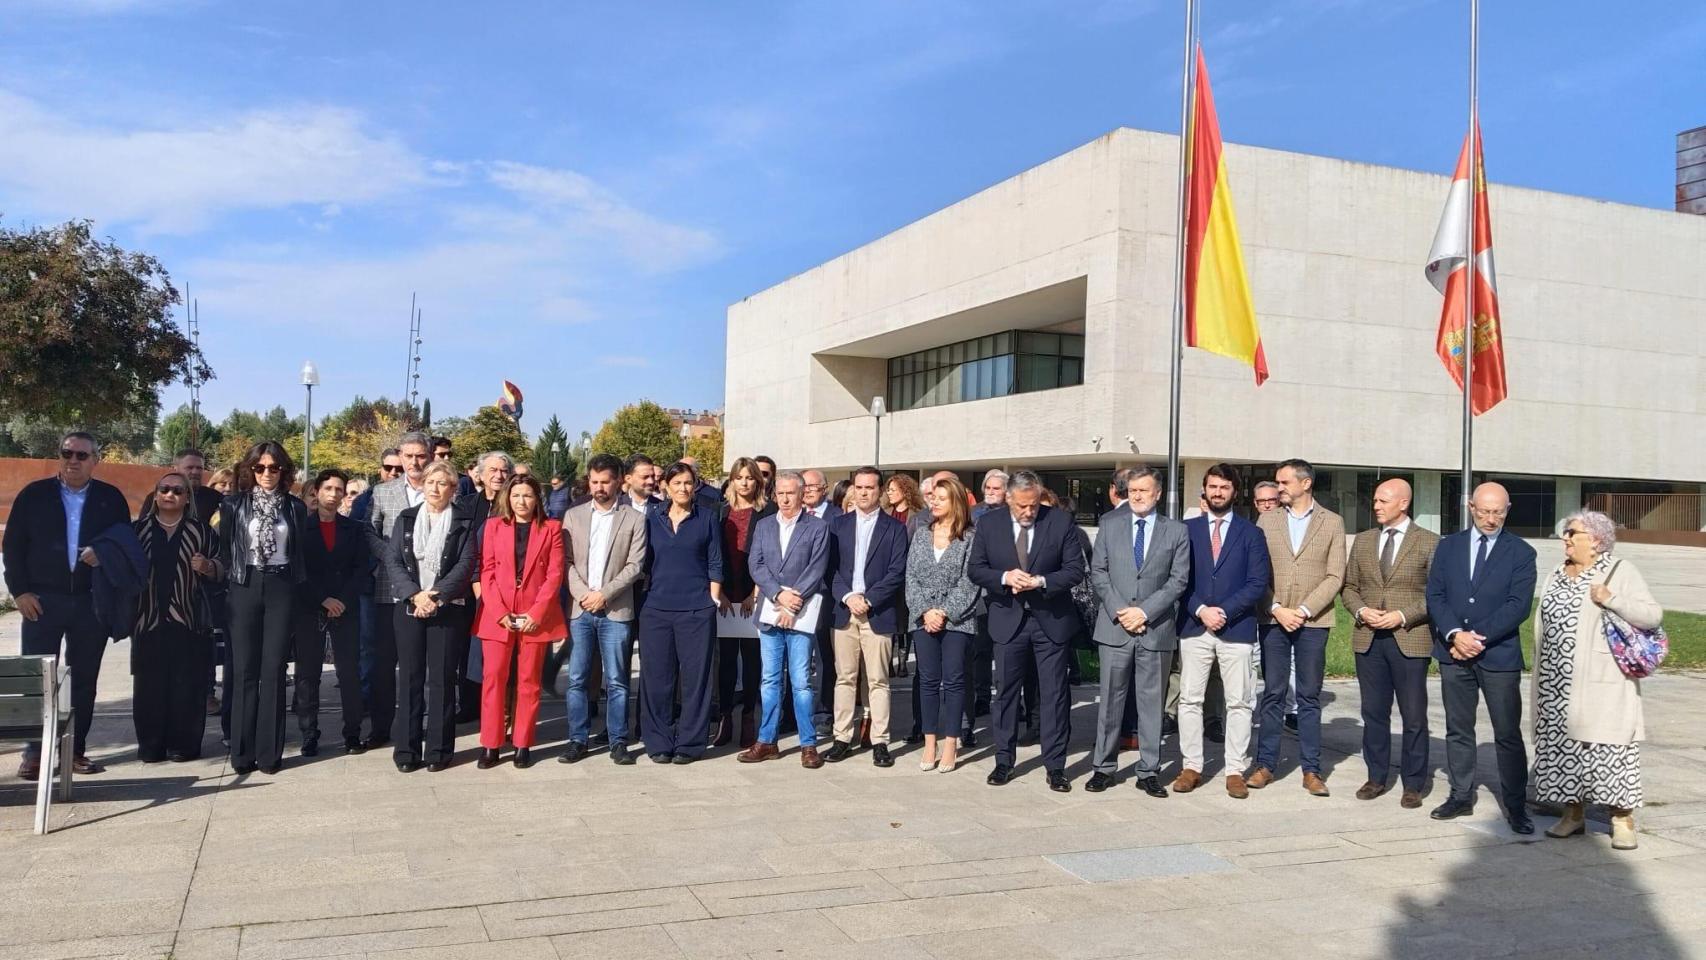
1219, 317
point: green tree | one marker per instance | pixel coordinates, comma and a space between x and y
174, 432
363, 416
487, 430
275, 424
708, 450
450, 427
639, 428
566, 460
426, 414
86, 329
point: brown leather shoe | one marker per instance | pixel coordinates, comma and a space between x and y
1369, 790
1411, 800
1316, 786
1236, 788
809, 758
1260, 778
758, 752
29, 769
1187, 781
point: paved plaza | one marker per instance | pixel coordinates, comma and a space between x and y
344, 857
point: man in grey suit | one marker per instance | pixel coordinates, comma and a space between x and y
1139, 568
390, 499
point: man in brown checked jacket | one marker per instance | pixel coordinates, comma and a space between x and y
1386, 582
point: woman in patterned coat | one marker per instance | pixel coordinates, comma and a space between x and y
169, 648
1587, 714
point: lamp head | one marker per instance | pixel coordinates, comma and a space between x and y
310, 374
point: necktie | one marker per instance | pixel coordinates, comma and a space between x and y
1023, 546
1480, 559
1137, 544
1387, 554
1214, 540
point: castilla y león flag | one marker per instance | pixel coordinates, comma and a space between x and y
1446, 272
1219, 316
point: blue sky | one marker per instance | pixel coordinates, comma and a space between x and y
577, 191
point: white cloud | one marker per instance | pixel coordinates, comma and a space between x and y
179, 180
651, 244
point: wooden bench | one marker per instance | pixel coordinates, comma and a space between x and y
35, 704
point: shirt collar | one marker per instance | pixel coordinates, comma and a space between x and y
869, 517
603, 513
1212, 516
1402, 526
65, 488
1299, 516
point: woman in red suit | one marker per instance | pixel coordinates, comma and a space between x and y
521, 570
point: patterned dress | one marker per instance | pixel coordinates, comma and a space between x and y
1566, 770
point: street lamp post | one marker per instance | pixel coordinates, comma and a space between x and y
877, 411
686, 435
555, 446
310, 379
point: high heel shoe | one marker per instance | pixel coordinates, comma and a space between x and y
925, 766
947, 764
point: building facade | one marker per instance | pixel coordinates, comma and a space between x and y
1030, 324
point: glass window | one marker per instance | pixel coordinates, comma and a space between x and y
1002, 382
1003, 343
1039, 343
1071, 371
957, 352
1038, 373
1071, 345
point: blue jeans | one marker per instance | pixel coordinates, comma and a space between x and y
611, 636
941, 680
775, 643
1306, 649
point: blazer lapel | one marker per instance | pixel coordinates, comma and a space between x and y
612, 563
535, 543
1404, 550
1315, 522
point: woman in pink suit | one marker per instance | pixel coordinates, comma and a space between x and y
521, 572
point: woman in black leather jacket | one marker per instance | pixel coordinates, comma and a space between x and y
262, 529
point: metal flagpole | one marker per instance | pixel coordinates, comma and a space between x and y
1177, 356
1469, 318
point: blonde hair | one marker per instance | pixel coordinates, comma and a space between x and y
440, 466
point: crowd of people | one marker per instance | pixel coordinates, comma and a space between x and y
447, 598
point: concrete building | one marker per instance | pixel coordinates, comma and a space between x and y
1029, 325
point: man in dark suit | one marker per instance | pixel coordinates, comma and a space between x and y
816, 499
639, 484
1480, 590
867, 572
48, 572
1230, 567
1028, 558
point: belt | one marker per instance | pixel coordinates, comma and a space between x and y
271, 571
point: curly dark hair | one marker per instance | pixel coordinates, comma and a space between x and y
246, 467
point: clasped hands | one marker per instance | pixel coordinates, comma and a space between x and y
1133, 619
1289, 619
1018, 581
1381, 619
1467, 644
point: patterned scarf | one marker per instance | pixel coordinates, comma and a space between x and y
267, 506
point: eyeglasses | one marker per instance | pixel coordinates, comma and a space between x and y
1267, 499
73, 454
390, 468
175, 491
1570, 534
268, 468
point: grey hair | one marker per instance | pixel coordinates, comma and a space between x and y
416, 438
1024, 480
439, 466
1264, 483
1138, 473
794, 475
509, 462
998, 473
1122, 477
1599, 526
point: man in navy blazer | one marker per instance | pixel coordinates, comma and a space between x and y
1480, 590
1027, 558
788, 557
1230, 569
867, 574
816, 499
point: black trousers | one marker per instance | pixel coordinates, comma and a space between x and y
729, 649
262, 611
1462, 687
425, 726
980, 673
169, 692
382, 683
345, 634
825, 662
1031, 646
676, 644
1384, 674
69, 617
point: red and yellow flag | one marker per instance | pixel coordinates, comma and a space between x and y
1219, 316
1446, 271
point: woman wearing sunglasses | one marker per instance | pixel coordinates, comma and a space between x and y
168, 649
263, 527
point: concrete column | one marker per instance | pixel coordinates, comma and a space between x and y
1194, 471
1425, 500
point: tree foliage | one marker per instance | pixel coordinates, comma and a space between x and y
174, 433
86, 329
127, 438
567, 457
639, 428
276, 424
487, 430
708, 450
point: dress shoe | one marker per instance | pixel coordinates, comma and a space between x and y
573, 753
1260, 778
810, 758
1214, 730
1623, 830
272, 769
999, 776
619, 754
1153, 787
1058, 782
523, 758
1128, 742
242, 769
1187, 780
725, 732
29, 769
968, 740
660, 757
83, 766
682, 759
916, 736
354, 745
1314, 785
865, 733
880, 755
1452, 808
178, 756
1236, 788
1369, 790
1520, 822
926, 766
1571, 823
438, 766
151, 758
1411, 800
1099, 781
758, 753
310, 747
376, 740
488, 759
837, 752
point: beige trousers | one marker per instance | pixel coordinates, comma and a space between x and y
857, 646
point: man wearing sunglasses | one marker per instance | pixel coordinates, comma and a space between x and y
48, 562
393, 496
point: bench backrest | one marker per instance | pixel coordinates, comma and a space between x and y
25, 685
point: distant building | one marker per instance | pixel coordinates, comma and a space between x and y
700, 423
